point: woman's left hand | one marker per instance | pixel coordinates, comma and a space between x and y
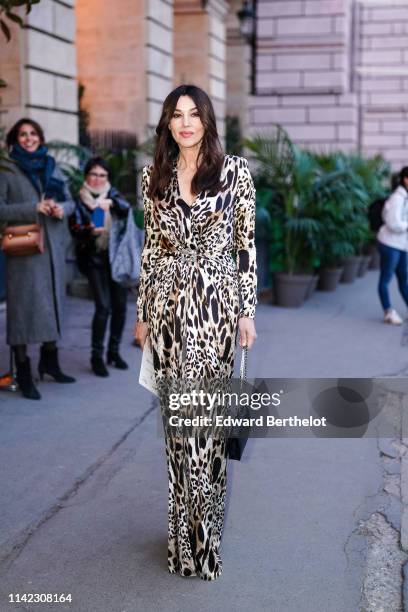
247, 333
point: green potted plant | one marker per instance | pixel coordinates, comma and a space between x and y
366, 235
335, 246
358, 230
263, 233
375, 174
289, 174
344, 215
350, 263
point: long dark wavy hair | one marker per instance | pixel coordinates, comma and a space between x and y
210, 158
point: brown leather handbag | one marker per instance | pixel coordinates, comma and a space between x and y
23, 240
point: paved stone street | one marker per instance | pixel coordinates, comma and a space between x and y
84, 483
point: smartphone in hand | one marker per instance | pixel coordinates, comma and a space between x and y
98, 217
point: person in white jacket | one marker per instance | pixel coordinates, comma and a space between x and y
393, 247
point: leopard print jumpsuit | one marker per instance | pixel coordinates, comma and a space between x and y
191, 294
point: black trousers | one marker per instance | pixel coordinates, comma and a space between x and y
110, 301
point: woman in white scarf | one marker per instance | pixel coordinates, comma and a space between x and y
98, 198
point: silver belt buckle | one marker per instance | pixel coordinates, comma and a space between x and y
188, 254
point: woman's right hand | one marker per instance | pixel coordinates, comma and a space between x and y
45, 207
140, 332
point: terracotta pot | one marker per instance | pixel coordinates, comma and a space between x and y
312, 286
365, 262
351, 265
329, 278
290, 289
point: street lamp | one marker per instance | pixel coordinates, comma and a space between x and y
246, 17
247, 25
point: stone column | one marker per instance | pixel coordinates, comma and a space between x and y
39, 66
238, 69
111, 40
200, 50
125, 62
11, 71
159, 57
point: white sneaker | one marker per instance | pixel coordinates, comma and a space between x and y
392, 317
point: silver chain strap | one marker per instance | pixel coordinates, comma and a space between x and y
244, 362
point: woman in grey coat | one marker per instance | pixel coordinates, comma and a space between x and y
33, 190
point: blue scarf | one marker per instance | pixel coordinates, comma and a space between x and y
39, 167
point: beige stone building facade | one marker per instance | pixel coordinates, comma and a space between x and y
332, 72
39, 66
128, 55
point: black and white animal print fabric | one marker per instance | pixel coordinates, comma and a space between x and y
191, 294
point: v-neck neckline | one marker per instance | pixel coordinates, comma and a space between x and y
178, 191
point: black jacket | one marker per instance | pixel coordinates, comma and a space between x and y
80, 224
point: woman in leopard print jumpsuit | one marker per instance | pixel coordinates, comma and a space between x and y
193, 297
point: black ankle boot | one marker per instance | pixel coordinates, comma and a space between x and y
115, 359
98, 366
25, 380
49, 364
